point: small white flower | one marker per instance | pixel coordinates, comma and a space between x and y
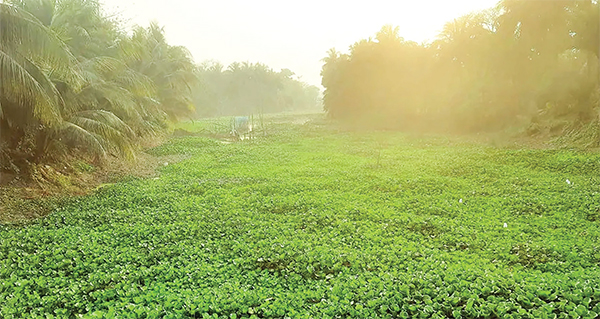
166, 164
568, 182
505, 225
460, 200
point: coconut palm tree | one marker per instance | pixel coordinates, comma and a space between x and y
30, 103
171, 68
51, 98
29, 52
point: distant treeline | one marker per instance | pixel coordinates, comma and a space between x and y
75, 82
247, 88
529, 63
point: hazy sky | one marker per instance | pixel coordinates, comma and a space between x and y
287, 34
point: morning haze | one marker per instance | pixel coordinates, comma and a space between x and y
288, 34
441, 162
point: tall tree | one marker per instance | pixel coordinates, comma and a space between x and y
73, 80
519, 63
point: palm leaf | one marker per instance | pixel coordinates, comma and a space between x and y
108, 130
77, 135
19, 85
21, 30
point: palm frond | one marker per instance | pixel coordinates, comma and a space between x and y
103, 66
20, 29
109, 119
137, 83
108, 130
18, 84
78, 136
110, 69
121, 100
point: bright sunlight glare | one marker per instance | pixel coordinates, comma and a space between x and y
287, 34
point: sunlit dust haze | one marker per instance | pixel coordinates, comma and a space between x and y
287, 34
